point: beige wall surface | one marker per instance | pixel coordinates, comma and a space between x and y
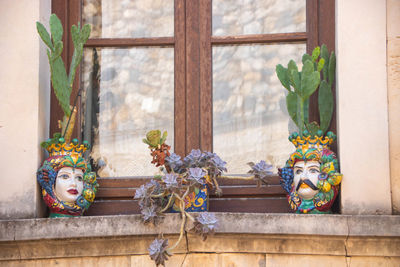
24, 82
217, 260
393, 62
362, 106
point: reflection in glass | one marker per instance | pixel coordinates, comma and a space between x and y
232, 17
129, 18
250, 120
127, 92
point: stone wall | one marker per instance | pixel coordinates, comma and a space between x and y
241, 240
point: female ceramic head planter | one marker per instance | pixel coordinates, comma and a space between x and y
68, 186
310, 176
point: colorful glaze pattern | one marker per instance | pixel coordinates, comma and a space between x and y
325, 189
195, 202
66, 155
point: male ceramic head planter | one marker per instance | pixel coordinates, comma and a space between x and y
310, 176
68, 186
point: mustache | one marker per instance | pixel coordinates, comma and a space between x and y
307, 182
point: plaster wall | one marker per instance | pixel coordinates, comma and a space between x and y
24, 92
363, 106
393, 62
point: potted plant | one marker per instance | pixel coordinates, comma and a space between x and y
311, 175
182, 187
68, 185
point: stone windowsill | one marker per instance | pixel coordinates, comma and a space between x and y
248, 233
230, 223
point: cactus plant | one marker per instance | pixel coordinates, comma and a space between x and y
301, 85
61, 81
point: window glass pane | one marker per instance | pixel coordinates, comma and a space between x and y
250, 120
129, 18
127, 92
237, 17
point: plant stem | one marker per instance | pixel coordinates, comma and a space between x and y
169, 204
187, 192
217, 188
182, 227
177, 196
189, 216
238, 177
156, 196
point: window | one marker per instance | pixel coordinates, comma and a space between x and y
203, 70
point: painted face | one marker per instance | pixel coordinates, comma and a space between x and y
69, 184
304, 171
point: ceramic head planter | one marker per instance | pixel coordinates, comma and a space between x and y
310, 176
68, 186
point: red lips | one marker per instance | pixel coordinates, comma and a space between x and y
73, 191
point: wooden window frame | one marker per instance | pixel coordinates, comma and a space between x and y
193, 122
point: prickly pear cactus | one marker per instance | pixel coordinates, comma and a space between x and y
61, 81
301, 85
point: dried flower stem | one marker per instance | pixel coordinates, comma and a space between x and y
184, 196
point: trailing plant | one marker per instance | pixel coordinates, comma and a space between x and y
302, 84
61, 81
170, 190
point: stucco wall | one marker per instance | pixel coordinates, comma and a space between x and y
24, 110
393, 65
362, 106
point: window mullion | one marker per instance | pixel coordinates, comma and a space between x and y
192, 76
180, 79
205, 15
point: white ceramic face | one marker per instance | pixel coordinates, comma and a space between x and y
306, 170
69, 184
